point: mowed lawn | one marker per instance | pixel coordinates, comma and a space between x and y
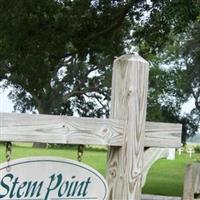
95, 158
165, 177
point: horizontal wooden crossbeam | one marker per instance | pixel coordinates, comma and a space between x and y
163, 134
60, 129
74, 130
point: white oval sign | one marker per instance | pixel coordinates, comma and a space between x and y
50, 178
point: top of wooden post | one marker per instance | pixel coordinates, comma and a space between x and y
131, 57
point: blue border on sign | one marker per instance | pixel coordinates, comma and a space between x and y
57, 161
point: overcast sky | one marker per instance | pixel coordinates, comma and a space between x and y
5, 104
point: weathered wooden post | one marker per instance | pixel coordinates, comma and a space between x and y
129, 100
191, 188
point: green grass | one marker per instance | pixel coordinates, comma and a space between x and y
165, 177
95, 158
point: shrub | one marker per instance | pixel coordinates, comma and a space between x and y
197, 149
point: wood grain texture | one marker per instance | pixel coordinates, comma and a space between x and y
159, 134
196, 171
151, 155
59, 129
128, 103
73, 130
188, 190
192, 182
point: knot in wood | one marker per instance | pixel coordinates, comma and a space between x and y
105, 130
113, 173
130, 91
137, 173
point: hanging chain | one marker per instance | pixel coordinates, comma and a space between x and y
8, 154
80, 152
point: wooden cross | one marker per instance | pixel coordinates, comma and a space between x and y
180, 150
190, 150
126, 133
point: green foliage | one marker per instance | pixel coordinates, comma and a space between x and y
191, 76
198, 159
197, 148
57, 55
49, 49
177, 81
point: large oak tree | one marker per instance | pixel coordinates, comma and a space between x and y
57, 54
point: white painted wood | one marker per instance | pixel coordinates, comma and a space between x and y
129, 94
158, 197
73, 130
172, 154
151, 155
59, 129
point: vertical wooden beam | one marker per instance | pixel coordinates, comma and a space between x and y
191, 188
197, 179
188, 190
129, 100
